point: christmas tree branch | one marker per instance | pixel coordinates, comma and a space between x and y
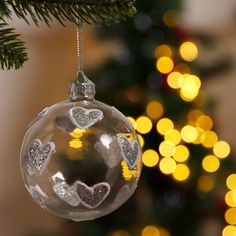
12, 50
91, 11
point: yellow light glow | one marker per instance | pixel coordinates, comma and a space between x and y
163, 51
169, 18
150, 231
200, 132
229, 230
221, 149
167, 165
231, 182
205, 122
77, 133
209, 139
141, 140
120, 233
230, 198
194, 114
164, 232
210, 163
175, 80
150, 158
165, 65
190, 87
154, 109
189, 133
181, 172
181, 153
144, 125
206, 184
188, 51
127, 173
164, 125
132, 121
167, 149
76, 143
230, 216
173, 136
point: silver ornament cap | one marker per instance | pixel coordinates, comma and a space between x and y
82, 89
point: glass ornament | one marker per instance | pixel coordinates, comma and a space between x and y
81, 159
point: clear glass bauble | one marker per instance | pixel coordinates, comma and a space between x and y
81, 159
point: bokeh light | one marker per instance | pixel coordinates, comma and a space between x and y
163, 51
205, 122
188, 51
181, 172
230, 198
231, 182
144, 125
175, 80
206, 184
141, 140
189, 133
164, 125
169, 18
229, 230
167, 148
181, 153
150, 158
133, 122
154, 109
165, 65
221, 149
209, 139
173, 136
167, 165
150, 231
194, 114
230, 216
210, 163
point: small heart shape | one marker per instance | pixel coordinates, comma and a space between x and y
85, 118
66, 193
40, 155
92, 197
129, 151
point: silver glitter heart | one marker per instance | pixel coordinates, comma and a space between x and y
85, 118
66, 193
92, 197
129, 151
39, 155
37, 197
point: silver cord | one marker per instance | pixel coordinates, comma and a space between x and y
80, 57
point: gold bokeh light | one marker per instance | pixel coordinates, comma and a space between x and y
231, 182
188, 51
150, 230
189, 133
173, 136
167, 148
206, 184
175, 80
229, 230
144, 125
209, 139
165, 65
163, 51
210, 163
150, 158
221, 149
154, 109
181, 172
167, 165
181, 153
164, 125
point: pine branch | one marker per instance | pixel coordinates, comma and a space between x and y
91, 11
12, 50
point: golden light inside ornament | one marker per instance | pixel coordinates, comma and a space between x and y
188, 51
181, 172
164, 125
181, 153
221, 149
167, 165
150, 158
144, 125
210, 163
165, 65
154, 109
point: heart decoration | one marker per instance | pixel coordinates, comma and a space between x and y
39, 155
37, 197
85, 118
129, 151
92, 197
66, 193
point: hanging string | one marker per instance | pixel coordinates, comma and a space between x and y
80, 58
